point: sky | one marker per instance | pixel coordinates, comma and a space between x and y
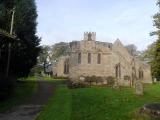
66, 20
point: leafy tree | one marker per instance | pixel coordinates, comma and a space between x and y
60, 49
44, 57
132, 49
156, 56
52, 53
148, 54
24, 52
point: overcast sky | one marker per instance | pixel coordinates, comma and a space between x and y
66, 20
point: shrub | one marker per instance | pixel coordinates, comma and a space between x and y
76, 84
126, 77
60, 77
36, 70
91, 79
99, 80
110, 80
88, 80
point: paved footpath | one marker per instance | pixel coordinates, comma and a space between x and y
31, 109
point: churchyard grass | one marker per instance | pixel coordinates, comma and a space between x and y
59, 107
99, 103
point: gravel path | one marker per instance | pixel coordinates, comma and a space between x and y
33, 106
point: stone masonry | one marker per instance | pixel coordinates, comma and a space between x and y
90, 57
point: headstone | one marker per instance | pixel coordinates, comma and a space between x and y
138, 88
155, 80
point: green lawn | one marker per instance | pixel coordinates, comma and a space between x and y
61, 109
98, 103
23, 90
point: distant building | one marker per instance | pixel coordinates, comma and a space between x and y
90, 57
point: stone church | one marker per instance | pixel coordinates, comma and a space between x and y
89, 57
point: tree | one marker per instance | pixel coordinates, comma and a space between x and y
148, 54
132, 49
59, 50
44, 57
25, 51
5, 7
155, 64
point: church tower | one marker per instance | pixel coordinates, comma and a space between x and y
89, 36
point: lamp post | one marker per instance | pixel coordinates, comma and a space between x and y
9, 45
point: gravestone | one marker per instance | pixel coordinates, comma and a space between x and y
155, 80
138, 88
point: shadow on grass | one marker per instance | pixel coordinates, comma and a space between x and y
22, 91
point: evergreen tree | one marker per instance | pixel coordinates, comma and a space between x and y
156, 59
5, 13
25, 28
24, 52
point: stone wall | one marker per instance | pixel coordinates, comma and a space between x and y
58, 70
89, 69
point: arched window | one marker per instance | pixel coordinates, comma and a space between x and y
89, 58
79, 58
140, 73
66, 66
99, 58
118, 70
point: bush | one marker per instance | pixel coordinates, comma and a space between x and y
88, 80
126, 77
76, 84
95, 79
110, 80
99, 80
36, 70
60, 77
